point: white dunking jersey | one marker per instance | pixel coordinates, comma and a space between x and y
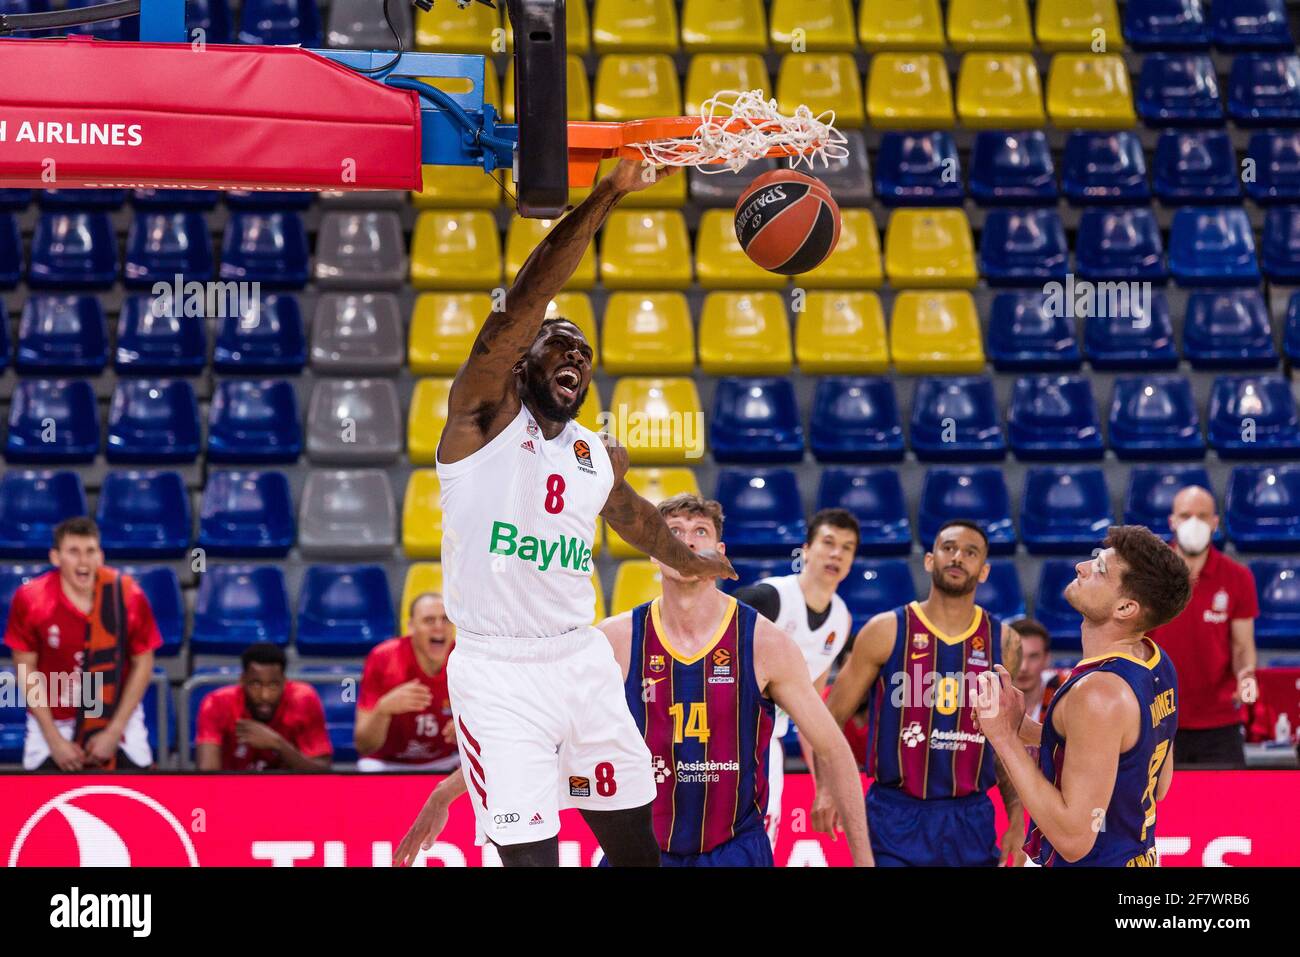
519, 520
819, 646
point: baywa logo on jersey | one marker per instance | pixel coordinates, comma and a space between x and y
721, 671
657, 663
571, 552
913, 735
582, 452
579, 787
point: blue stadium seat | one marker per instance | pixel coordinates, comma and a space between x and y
1066, 509
1276, 155
14, 200
149, 703
239, 605
144, 515
918, 169
254, 421
1277, 583
124, 28
1212, 246
31, 504
855, 419
246, 514
81, 199
751, 570
956, 418
154, 337
1262, 508
978, 493
270, 199
280, 23
763, 509
1104, 168
73, 250
1291, 333
755, 420
1264, 89
1154, 417
1228, 330
1281, 253
1149, 499
1121, 243
344, 610
339, 701
164, 199
210, 16
1178, 89
265, 247
11, 251
1062, 622
62, 335
53, 420
161, 245
1196, 166
13, 720
1027, 333
1053, 418
163, 589
1140, 338
1000, 593
151, 422
876, 586
13, 577
1165, 25
1012, 168
875, 497
1023, 247
1250, 25
265, 340
1254, 417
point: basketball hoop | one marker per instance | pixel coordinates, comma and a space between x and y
733, 129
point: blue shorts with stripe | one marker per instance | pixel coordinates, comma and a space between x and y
941, 832
750, 848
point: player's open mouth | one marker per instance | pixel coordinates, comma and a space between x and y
567, 380
84, 576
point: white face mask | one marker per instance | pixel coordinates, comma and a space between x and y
1193, 536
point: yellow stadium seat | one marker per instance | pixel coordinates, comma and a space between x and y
928, 248
1089, 91
443, 327
855, 261
738, 26
648, 333
1001, 25
933, 332
448, 29
1091, 25
637, 582
1000, 91
710, 73
600, 595
576, 307
909, 91
455, 250
634, 26
422, 515
668, 193
457, 187
425, 420
821, 81
745, 333
632, 86
420, 578
820, 25
577, 87
645, 249
522, 238
720, 263
592, 412
577, 29
900, 25
842, 333
659, 420
653, 485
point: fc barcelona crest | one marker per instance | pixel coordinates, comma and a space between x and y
920, 641
657, 663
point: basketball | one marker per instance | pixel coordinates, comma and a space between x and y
787, 222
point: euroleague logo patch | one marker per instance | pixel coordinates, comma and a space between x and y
720, 674
579, 787
582, 452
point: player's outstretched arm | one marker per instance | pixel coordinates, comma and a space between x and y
782, 665
431, 819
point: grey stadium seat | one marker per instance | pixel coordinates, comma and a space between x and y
723, 189
849, 179
360, 250
354, 422
347, 514
359, 25
357, 334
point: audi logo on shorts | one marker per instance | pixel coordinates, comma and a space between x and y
505, 818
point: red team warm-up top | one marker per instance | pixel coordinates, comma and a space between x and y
413, 738
299, 719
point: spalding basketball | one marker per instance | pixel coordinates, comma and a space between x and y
787, 222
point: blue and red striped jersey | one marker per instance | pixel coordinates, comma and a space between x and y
707, 724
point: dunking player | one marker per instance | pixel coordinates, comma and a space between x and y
535, 691
806, 607
702, 674
929, 803
1106, 741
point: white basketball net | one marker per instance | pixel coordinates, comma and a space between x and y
736, 128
